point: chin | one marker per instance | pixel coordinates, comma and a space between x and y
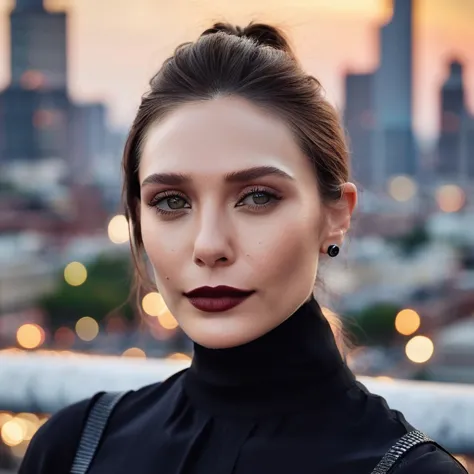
221, 339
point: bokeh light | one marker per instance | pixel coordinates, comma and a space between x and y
64, 336
450, 198
179, 356
134, 352
13, 432
30, 336
419, 349
87, 328
153, 304
32, 80
402, 188
16, 430
384, 378
75, 273
118, 229
407, 322
30, 423
167, 320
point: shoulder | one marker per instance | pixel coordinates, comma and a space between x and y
392, 425
429, 459
53, 447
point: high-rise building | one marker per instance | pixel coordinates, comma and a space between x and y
38, 46
455, 127
394, 143
359, 123
37, 118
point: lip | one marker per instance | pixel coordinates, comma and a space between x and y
217, 299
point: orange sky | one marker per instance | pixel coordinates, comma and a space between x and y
116, 45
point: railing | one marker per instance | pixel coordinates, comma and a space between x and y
46, 383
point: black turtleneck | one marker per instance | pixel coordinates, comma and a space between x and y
295, 365
282, 404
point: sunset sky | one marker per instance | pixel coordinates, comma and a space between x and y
116, 45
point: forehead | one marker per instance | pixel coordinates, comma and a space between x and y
220, 135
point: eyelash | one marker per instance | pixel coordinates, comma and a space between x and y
274, 197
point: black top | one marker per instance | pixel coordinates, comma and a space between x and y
285, 403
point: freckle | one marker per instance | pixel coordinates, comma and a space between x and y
167, 278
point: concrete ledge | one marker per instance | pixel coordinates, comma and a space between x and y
45, 383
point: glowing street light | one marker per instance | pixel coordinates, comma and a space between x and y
402, 188
407, 322
118, 229
419, 349
75, 273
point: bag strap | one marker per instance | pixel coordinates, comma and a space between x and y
93, 430
401, 447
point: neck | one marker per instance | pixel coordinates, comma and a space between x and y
298, 357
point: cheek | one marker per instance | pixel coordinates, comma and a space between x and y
160, 248
287, 249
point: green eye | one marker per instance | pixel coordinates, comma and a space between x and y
175, 202
259, 198
170, 203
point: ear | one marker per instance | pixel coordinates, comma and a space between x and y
338, 217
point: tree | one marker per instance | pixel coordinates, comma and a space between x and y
374, 325
411, 242
106, 290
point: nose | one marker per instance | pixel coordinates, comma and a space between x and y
213, 244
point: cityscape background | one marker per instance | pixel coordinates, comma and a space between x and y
402, 75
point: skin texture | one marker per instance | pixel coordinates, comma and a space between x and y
261, 233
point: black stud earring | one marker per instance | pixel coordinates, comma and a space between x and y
333, 250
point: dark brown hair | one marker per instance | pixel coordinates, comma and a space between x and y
255, 63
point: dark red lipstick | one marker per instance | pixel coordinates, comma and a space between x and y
217, 299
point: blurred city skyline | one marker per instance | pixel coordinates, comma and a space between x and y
330, 37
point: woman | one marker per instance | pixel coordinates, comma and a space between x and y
235, 182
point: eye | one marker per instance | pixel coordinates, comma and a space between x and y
170, 203
175, 202
258, 199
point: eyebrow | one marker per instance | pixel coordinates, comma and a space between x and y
241, 176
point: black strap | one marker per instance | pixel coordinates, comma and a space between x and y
93, 430
405, 444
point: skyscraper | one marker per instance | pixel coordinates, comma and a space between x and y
35, 117
394, 144
359, 122
455, 124
38, 46
38, 121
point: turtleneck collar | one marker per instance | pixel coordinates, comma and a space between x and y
296, 363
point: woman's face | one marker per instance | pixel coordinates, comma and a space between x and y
228, 199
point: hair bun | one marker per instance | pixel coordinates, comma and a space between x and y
261, 33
